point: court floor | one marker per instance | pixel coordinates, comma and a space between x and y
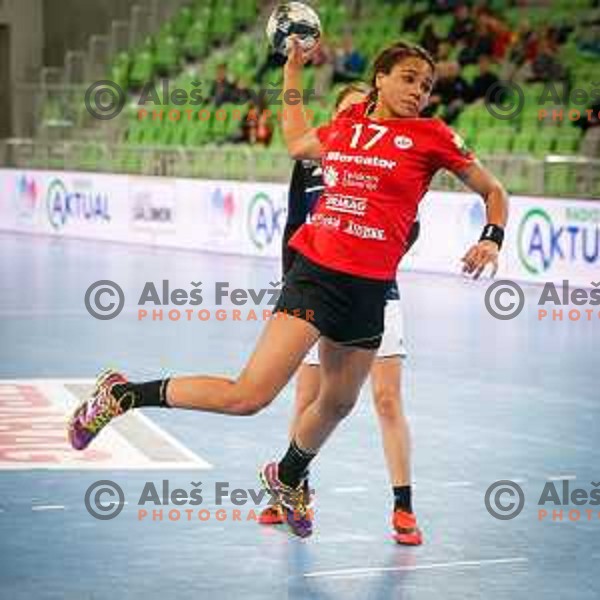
488, 400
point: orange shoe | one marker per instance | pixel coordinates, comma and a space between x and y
272, 515
405, 527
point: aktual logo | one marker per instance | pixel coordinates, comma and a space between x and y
26, 196
542, 242
265, 221
82, 204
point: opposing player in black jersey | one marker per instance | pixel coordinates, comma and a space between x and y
305, 190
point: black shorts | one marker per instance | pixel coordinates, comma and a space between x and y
344, 308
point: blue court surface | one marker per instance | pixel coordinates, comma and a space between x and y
488, 400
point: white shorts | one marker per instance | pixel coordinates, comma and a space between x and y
392, 342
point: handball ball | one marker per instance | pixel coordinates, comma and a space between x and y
293, 18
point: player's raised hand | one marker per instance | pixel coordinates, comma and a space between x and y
297, 57
479, 257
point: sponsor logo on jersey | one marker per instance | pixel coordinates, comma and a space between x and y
347, 204
329, 221
330, 176
403, 142
358, 159
365, 232
361, 181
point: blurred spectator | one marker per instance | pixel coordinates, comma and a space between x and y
255, 127
590, 144
349, 62
482, 43
501, 36
222, 90
443, 53
324, 63
450, 93
587, 37
242, 91
430, 40
484, 80
586, 123
463, 28
524, 46
546, 66
441, 7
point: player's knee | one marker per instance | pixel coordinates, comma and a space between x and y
248, 407
340, 407
248, 401
387, 402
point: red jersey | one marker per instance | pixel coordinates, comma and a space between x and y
376, 173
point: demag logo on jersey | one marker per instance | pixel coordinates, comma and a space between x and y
546, 242
265, 220
78, 202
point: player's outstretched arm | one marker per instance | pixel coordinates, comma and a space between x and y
301, 139
484, 253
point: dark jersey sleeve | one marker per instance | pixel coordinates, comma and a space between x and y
306, 187
393, 293
296, 213
413, 234
288, 254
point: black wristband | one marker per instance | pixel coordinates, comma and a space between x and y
492, 233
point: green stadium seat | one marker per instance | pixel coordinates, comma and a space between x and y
567, 141
92, 158
196, 41
183, 22
504, 142
142, 69
167, 55
522, 144
543, 143
120, 70
559, 179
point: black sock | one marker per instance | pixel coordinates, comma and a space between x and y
134, 395
403, 498
293, 467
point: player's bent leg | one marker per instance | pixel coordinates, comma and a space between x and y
343, 371
308, 381
307, 390
276, 357
278, 353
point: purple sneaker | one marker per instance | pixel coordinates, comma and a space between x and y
294, 502
92, 415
